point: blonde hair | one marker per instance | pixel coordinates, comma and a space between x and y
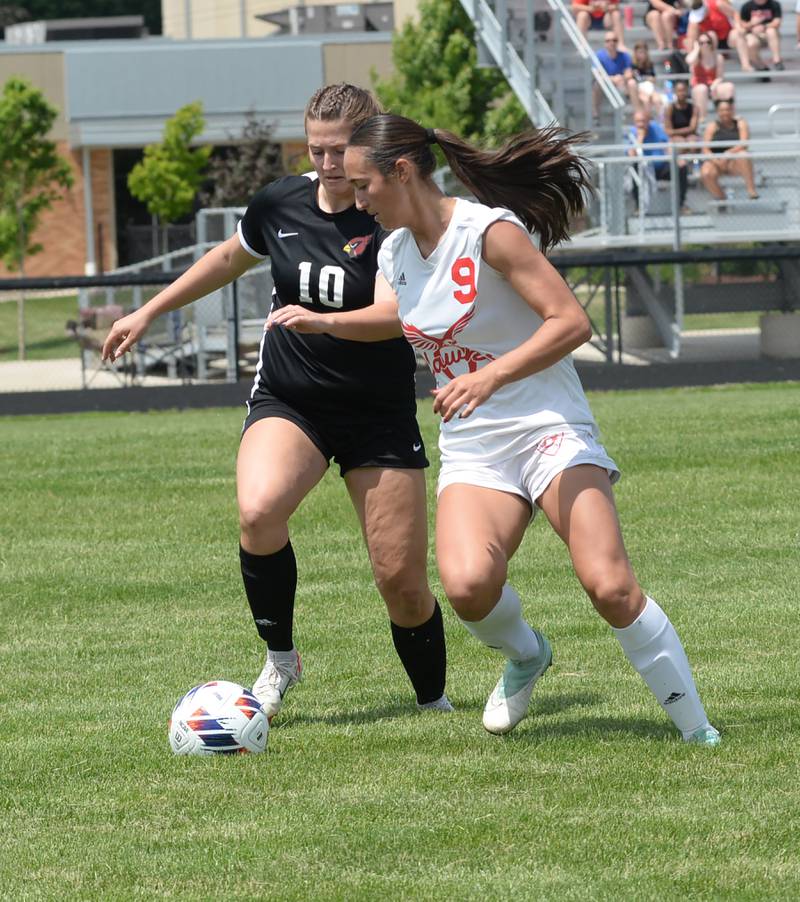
342, 101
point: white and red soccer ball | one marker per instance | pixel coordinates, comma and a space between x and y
218, 718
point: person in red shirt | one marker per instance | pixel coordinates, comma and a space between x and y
596, 15
707, 68
716, 16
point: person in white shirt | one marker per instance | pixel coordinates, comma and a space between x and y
496, 323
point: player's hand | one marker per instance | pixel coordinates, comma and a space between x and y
299, 319
463, 394
124, 334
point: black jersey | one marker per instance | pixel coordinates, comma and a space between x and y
327, 262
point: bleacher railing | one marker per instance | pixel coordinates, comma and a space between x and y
657, 219
491, 28
585, 60
778, 115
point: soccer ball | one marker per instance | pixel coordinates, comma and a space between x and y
218, 718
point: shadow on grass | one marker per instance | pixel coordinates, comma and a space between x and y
551, 705
537, 727
338, 718
533, 730
41, 349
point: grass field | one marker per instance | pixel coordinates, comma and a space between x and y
119, 589
45, 336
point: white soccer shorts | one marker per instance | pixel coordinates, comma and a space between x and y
528, 474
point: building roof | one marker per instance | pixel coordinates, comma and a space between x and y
118, 93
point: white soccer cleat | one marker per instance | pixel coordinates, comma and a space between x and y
439, 704
508, 703
281, 671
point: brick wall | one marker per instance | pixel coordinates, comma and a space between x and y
62, 229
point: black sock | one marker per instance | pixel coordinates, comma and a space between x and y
270, 581
422, 651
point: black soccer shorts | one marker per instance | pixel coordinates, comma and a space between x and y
350, 440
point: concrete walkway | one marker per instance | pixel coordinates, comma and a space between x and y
63, 375
707, 358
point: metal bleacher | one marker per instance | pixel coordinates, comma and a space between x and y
552, 67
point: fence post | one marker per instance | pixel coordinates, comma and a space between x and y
233, 333
677, 323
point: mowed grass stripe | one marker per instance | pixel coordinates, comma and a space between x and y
119, 589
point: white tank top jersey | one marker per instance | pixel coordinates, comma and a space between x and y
461, 314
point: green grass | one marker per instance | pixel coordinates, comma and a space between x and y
746, 319
45, 338
119, 589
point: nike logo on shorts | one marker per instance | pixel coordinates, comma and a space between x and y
416, 446
282, 234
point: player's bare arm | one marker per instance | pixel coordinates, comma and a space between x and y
378, 322
220, 266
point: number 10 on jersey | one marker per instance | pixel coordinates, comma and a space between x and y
331, 285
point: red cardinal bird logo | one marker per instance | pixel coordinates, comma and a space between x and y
355, 247
445, 351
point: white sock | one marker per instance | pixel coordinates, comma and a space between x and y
504, 629
282, 657
651, 644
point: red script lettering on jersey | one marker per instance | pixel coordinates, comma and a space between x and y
445, 351
463, 273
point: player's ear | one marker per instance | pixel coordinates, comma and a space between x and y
402, 169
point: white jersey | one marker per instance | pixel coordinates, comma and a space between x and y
461, 314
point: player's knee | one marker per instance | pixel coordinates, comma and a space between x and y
405, 591
472, 590
616, 597
260, 522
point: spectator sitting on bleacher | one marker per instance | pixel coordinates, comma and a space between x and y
681, 116
707, 70
728, 160
662, 19
595, 15
715, 16
618, 66
758, 23
797, 23
644, 74
646, 132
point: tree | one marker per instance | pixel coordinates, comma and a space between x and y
438, 82
169, 175
254, 161
32, 176
11, 15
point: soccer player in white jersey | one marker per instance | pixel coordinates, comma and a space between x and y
346, 395
496, 324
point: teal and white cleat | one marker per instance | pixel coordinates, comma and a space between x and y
705, 736
508, 703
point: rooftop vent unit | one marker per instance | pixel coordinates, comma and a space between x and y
339, 17
93, 29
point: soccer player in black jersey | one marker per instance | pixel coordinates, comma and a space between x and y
346, 395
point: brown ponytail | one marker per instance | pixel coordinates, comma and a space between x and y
536, 174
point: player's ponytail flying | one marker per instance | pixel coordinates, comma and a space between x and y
537, 174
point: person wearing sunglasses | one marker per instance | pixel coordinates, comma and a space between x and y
707, 75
